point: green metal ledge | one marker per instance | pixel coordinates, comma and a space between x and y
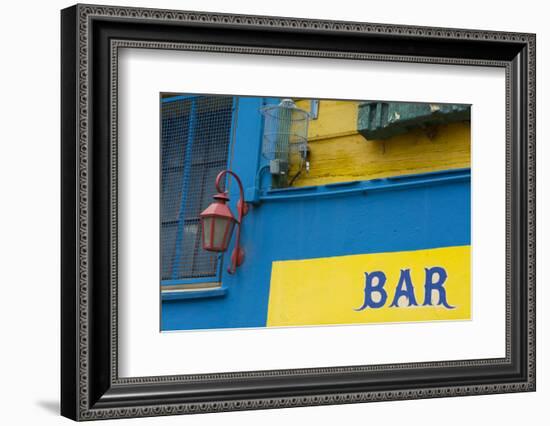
383, 120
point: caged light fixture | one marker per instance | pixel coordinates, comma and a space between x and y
285, 141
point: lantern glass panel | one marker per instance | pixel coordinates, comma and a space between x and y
207, 232
216, 232
223, 227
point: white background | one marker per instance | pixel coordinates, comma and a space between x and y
29, 229
142, 346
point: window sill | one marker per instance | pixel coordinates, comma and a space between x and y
188, 294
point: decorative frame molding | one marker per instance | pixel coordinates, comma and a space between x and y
91, 388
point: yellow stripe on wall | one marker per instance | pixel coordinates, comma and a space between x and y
330, 290
338, 153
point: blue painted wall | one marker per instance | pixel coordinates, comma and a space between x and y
417, 212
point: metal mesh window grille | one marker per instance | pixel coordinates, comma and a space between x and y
195, 139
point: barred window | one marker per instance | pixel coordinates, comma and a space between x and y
195, 140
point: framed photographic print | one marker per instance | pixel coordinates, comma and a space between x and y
263, 212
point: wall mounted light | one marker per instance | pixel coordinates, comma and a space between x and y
217, 223
284, 140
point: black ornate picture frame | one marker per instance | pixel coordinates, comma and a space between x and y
91, 37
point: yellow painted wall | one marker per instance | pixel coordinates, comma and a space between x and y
330, 290
338, 153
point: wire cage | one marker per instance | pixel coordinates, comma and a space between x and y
284, 136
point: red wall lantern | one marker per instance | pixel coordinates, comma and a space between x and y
217, 223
